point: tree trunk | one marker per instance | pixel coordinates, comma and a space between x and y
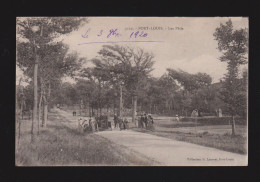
45, 111
18, 120
22, 108
16, 102
40, 104
89, 109
121, 102
49, 97
233, 125
134, 109
114, 109
19, 131
39, 116
35, 96
45, 114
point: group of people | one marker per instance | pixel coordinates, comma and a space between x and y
89, 124
146, 121
218, 112
120, 123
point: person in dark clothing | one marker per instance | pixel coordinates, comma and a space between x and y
150, 122
121, 123
142, 121
150, 118
145, 120
126, 124
199, 113
115, 120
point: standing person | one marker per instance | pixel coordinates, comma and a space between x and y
115, 120
145, 120
142, 121
126, 124
199, 112
219, 113
91, 124
177, 118
151, 118
121, 123
195, 116
96, 123
150, 122
84, 124
216, 111
80, 128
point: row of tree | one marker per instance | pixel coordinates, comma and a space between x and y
45, 60
162, 95
121, 75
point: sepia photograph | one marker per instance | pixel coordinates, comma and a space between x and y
131, 91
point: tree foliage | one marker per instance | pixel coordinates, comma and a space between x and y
234, 46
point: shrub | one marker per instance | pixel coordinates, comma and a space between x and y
215, 120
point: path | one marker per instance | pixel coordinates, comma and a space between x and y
174, 153
166, 151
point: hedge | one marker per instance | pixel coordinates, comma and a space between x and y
215, 120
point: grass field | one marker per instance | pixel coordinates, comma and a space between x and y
215, 136
59, 145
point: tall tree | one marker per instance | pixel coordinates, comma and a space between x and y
127, 66
39, 32
56, 63
233, 44
191, 83
99, 79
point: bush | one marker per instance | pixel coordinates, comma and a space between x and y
215, 120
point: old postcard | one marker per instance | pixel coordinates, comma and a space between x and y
131, 91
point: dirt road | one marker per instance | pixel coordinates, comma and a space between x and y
167, 151
173, 153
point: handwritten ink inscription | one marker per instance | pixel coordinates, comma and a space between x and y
115, 33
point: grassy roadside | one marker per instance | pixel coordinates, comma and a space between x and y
236, 144
59, 145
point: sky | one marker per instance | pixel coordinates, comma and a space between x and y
178, 43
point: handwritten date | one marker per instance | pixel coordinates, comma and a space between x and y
115, 33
